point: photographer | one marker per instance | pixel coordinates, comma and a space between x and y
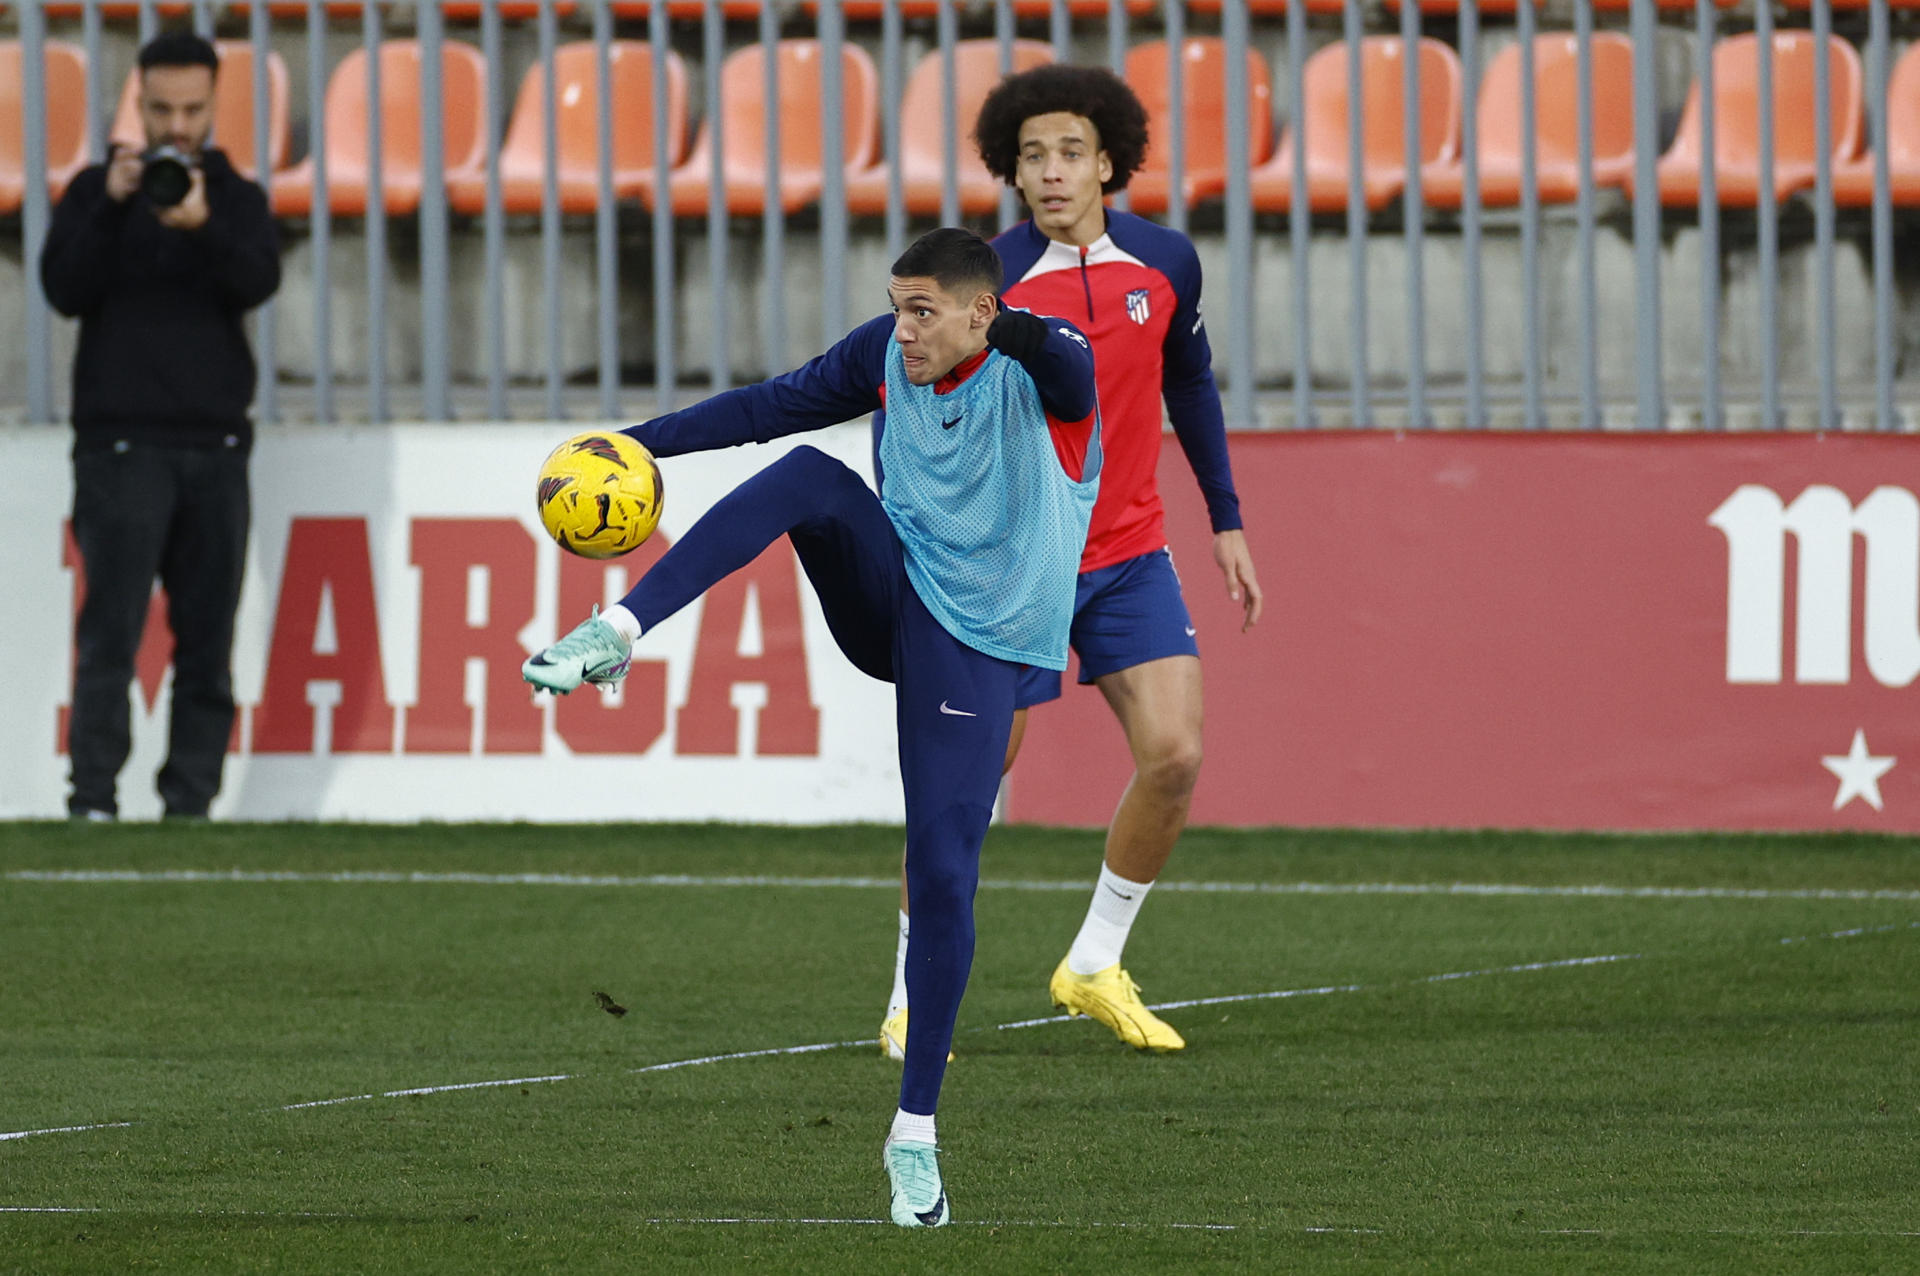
160, 255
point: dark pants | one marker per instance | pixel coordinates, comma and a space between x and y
179, 515
953, 704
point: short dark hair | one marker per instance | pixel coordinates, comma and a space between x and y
179, 47
1090, 91
955, 258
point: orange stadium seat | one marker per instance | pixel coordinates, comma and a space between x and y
732, 9
1453, 6
232, 108
1268, 8
577, 101
801, 175
873, 10
1556, 81
463, 78
976, 69
1853, 179
1204, 88
1384, 144
170, 9
1621, 6
66, 80
1736, 162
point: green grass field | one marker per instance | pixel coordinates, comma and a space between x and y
1716, 1098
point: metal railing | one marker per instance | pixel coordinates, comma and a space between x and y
1265, 380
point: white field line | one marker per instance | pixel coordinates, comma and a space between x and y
1048, 1224
867, 1042
385, 877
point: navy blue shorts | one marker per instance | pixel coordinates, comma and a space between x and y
1123, 615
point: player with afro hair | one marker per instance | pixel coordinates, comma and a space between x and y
1066, 137
1094, 93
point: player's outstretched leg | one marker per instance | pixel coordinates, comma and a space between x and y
594, 652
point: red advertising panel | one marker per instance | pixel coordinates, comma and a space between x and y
1540, 631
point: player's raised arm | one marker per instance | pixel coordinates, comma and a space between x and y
1055, 355
833, 387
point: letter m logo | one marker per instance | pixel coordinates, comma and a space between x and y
1824, 523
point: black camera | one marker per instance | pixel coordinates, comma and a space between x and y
166, 175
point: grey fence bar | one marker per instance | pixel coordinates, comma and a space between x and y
1470, 245
1173, 136
1413, 214
320, 214
436, 398
266, 343
1829, 410
1589, 301
494, 223
1706, 29
606, 215
665, 367
892, 83
773, 223
949, 28
371, 30
1354, 28
36, 210
1003, 36
1650, 408
1239, 216
547, 25
1060, 28
714, 49
1879, 56
833, 160
98, 86
1533, 416
1767, 211
1300, 216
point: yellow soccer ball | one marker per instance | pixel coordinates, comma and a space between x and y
600, 494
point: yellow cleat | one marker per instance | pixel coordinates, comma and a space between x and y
893, 1037
1114, 999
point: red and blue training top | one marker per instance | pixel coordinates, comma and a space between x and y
1135, 293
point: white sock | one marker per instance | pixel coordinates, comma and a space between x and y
911, 1127
898, 1000
1116, 902
624, 622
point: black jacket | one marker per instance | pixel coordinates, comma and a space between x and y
163, 354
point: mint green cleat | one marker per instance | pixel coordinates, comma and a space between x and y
594, 652
919, 1200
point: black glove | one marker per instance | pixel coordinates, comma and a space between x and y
1017, 334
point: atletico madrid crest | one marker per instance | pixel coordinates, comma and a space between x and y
1138, 306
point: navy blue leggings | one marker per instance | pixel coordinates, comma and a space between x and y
953, 705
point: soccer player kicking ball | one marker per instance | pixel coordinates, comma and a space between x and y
958, 575
1065, 136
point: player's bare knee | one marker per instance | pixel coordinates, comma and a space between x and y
1171, 764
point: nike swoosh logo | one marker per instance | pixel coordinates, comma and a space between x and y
539, 658
948, 425
953, 712
931, 1217
1122, 895
1191, 631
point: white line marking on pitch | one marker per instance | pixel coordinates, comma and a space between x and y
382, 877
816, 1047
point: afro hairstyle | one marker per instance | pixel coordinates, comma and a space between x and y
1093, 92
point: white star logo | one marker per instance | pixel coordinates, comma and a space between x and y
1859, 773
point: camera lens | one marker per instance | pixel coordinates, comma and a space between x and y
165, 180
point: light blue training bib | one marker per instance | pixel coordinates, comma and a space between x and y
993, 527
